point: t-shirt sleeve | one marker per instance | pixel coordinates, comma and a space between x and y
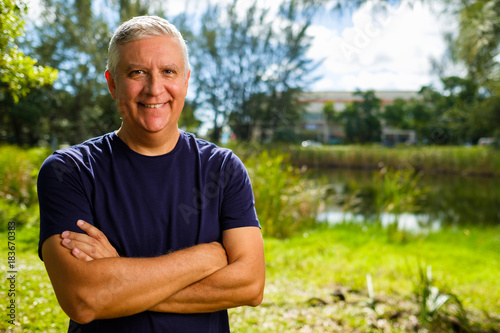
62, 196
238, 203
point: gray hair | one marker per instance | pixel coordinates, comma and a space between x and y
141, 27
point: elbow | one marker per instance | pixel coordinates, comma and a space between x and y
255, 295
256, 300
78, 310
82, 318
255, 290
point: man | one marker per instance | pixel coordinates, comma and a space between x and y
149, 229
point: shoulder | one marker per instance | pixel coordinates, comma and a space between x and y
85, 150
77, 157
208, 151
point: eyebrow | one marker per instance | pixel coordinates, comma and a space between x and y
168, 66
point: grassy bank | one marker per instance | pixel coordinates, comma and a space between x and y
304, 271
432, 159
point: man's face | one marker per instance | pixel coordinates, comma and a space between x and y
150, 84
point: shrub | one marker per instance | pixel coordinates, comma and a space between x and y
285, 199
18, 173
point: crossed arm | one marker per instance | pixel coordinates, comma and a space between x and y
92, 282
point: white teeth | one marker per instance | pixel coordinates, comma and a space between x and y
154, 106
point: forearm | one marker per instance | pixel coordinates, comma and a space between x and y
130, 285
232, 286
239, 283
117, 287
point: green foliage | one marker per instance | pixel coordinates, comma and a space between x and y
396, 114
18, 73
361, 119
18, 174
284, 135
249, 73
438, 311
285, 200
187, 119
329, 112
398, 191
430, 159
469, 104
478, 40
73, 38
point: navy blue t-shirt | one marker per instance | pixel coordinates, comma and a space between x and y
147, 206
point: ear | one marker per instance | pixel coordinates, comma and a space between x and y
111, 84
186, 84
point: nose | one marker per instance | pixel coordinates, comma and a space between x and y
153, 85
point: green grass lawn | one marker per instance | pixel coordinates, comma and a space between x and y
304, 271
463, 262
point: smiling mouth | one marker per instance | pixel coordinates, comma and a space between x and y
154, 106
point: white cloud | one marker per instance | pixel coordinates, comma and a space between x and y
384, 51
390, 50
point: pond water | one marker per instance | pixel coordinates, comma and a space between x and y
449, 200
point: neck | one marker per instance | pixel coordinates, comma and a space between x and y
149, 144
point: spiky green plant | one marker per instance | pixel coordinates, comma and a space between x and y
437, 308
285, 199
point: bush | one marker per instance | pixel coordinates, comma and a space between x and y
285, 199
18, 173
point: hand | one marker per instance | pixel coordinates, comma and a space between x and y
93, 245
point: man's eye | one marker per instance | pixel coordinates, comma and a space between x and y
136, 72
168, 71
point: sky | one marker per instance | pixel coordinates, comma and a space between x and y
385, 51
363, 49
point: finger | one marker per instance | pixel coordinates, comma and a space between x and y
90, 246
97, 235
84, 238
77, 236
81, 255
91, 230
84, 250
75, 251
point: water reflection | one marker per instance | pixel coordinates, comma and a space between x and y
405, 221
449, 200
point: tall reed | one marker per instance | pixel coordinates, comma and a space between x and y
285, 199
432, 159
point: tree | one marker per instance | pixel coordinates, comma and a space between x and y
396, 114
18, 73
478, 41
188, 120
249, 69
73, 38
471, 112
421, 119
289, 76
360, 118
